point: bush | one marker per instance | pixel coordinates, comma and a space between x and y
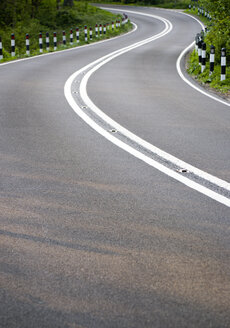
66, 18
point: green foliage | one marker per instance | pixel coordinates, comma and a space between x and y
219, 34
48, 16
204, 78
160, 3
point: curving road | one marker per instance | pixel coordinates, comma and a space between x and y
109, 233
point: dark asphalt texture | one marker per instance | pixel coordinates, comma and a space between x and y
91, 236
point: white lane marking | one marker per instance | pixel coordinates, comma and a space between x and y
221, 199
178, 63
83, 91
178, 66
70, 49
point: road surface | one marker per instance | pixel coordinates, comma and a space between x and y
91, 235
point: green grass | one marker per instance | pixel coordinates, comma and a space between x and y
194, 69
194, 12
35, 52
213, 81
82, 14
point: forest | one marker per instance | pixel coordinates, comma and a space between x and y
48, 12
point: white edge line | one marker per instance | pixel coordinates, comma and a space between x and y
70, 49
136, 153
108, 136
178, 66
178, 63
217, 181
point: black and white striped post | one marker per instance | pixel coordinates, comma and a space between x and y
112, 26
117, 24
197, 37
100, 29
47, 42
203, 55
27, 44
12, 45
40, 43
63, 38
71, 37
200, 51
86, 34
90, 33
1, 55
104, 29
212, 59
96, 31
55, 41
223, 64
77, 34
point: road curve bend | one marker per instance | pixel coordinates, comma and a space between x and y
92, 236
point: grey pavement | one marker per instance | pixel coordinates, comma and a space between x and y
91, 236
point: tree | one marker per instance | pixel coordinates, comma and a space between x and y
58, 4
68, 3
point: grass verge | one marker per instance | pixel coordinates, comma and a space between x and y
211, 82
81, 15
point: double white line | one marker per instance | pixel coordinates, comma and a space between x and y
84, 74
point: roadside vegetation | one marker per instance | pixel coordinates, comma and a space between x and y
176, 4
41, 16
218, 35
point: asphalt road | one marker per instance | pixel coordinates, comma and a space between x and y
90, 235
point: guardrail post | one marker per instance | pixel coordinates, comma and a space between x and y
47, 42
212, 59
71, 37
96, 31
63, 38
100, 29
200, 51
223, 64
12, 45
90, 33
77, 34
104, 29
86, 34
203, 55
55, 41
112, 26
1, 56
27, 45
40, 42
